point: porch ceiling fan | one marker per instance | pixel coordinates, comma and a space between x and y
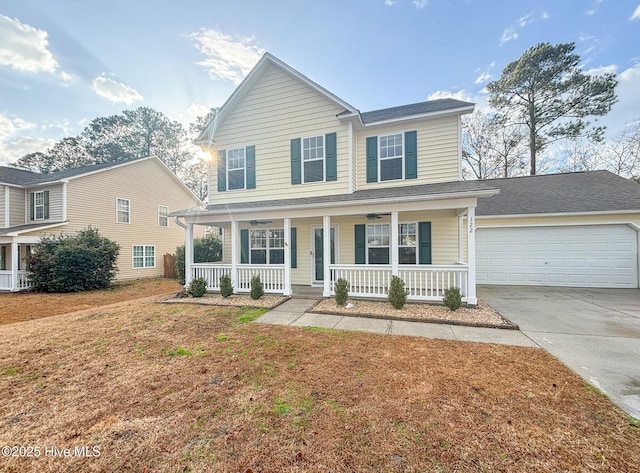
259, 222
375, 216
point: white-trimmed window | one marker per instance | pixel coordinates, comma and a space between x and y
391, 157
378, 243
123, 210
144, 256
266, 246
38, 205
163, 216
236, 167
313, 159
407, 243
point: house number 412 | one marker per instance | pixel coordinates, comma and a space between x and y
471, 224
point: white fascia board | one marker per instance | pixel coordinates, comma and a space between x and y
37, 229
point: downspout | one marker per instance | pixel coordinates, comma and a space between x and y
7, 207
179, 223
64, 199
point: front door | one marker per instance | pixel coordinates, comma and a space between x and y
318, 252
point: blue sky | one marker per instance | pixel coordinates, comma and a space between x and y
66, 62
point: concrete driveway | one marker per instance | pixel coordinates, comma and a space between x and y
595, 332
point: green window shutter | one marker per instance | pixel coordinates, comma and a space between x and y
296, 164
244, 246
222, 171
372, 159
361, 243
46, 205
410, 155
3, 258
250, 154
32, 206
424, 242
294, 247
331, 160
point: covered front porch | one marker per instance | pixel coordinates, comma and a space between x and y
13, 276
428, 242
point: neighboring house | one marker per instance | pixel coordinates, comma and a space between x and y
127, 201
578, 229
307, 189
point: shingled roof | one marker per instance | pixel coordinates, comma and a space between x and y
18, 177
414, 109
578, 192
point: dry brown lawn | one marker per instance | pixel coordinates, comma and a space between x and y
16, 307
159, 387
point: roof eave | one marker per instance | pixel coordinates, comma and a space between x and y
439, 113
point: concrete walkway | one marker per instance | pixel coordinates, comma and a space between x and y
293, 312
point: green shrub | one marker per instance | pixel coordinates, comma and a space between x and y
256, 288
342, 291
397, 293
207, 249
197, 287
452, 298
70, 263
226, 289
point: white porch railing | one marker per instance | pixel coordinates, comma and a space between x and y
271, 276
422, 282
6, 280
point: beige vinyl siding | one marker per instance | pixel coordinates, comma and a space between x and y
275, 110
354, 161
92, 201
18, 213
2, 203
437, 144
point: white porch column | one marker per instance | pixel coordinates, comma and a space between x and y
15, 286
188, 254
460, 239
326, 252
471, 256
235, 234
287, 257
394, 243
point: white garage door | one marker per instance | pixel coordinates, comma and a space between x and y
578, 256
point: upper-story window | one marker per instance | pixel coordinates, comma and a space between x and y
391, 157
123, 210
163, 216
38, 205
313, 159
235, 169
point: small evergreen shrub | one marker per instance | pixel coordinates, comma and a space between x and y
257, 290
452, 298
342, 291
197, 287
226, 289
397, 293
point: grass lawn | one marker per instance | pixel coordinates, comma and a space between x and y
158, 387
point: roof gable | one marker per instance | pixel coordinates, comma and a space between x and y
579, 192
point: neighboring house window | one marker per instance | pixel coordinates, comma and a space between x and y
378, 243
313, 159
38, 209
235, 169
163, 216
267, 246
39, 203
144, 256
123, 210
407, 238
391, 157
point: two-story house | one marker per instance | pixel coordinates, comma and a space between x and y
127, 201
308, 189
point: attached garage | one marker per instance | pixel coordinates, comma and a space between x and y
576, 229
576, 256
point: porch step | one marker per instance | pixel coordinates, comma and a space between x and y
306, 292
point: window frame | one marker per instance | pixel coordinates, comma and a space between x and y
268, 244
119, 210
36, 206
163, 216
144, 256
415, 241
387, 158
388, 245
228, 168
304, 161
